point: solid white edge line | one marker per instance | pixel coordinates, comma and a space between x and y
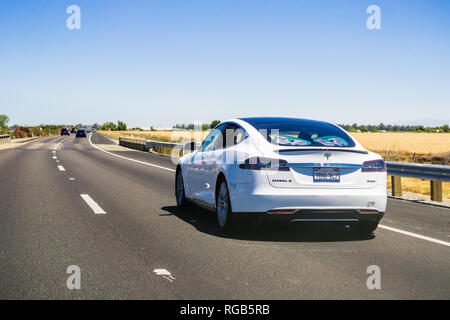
91, 203
61, 168
137, 161
415, 235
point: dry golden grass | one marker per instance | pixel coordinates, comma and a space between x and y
409, 142
393, 146
404, 141
421, 186
401, 146
159, 135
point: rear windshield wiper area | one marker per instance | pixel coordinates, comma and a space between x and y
321, 149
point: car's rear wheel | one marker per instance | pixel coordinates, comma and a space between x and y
179, 190
223, 207
366, 227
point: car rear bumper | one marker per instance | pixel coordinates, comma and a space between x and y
334, 203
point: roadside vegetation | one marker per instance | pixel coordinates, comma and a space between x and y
405, 143
17, 131
416, 147
394, 128
4, 124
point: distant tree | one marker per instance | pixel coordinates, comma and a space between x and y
214, 124
4, 119
108, 126
445, 128
205, 127
112, 126
419, 129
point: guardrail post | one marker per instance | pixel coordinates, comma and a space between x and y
436, 190
396, 185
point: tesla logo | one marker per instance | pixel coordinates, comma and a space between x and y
374, 280
327, 154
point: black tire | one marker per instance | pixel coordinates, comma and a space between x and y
366, 227
224, 211
179, 190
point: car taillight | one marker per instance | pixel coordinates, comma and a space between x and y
374, 166
260, 163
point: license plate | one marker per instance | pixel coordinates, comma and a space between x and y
326, 175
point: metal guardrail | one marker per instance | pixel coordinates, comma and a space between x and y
435, 173
146, 145
420, 171
138, 144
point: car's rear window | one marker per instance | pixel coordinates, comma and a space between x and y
301, 132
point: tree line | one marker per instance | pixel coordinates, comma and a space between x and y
120, 126
17, 131
47, 129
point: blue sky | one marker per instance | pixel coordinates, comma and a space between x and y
157, 63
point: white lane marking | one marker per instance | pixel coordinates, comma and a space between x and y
415, 235
54, 157
54, 151
61, 168
72, 179
91, 203
141, 162
166, 274
58, 161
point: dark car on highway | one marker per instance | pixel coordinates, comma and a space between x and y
65, 132
81, 133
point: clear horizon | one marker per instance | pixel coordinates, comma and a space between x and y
154, 63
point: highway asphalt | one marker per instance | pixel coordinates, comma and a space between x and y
142, 247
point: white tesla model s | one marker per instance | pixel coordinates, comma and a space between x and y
294, 169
